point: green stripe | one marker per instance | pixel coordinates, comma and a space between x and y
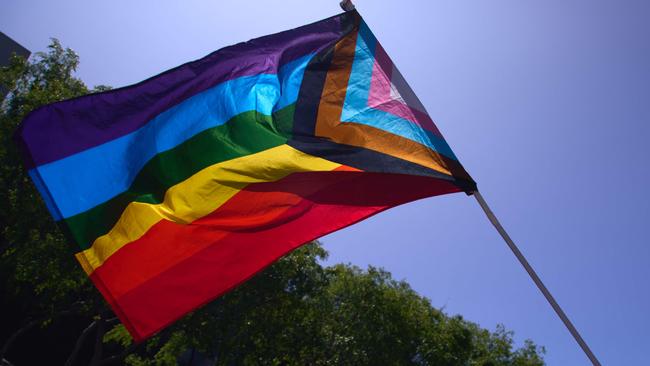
244, 134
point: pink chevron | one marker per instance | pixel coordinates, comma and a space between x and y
390, 93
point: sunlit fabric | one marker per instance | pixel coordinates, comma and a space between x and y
183, 186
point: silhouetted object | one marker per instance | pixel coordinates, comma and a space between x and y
347, 5
8, 47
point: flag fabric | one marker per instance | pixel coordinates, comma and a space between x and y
181, 187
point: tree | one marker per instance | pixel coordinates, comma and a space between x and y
295, 312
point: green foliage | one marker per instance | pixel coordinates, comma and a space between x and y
295, 312
32, 249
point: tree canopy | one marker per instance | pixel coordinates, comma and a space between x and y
296, 312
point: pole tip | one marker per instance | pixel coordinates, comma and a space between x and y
347, 5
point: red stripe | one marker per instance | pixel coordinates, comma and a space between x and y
174, 269
124, 271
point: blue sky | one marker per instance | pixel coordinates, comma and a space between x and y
546, 103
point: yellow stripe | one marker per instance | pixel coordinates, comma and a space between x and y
200, 195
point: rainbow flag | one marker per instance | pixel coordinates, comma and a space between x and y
181, 187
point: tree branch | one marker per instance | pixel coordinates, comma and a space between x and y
80, 341
120, 356
17, 334
30, 325
3, 248
112, 321
99, 344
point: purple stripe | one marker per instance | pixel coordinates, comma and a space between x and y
61, 129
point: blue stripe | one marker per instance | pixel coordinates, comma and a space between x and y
356, 109
84, 180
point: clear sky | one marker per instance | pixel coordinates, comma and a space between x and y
546, 103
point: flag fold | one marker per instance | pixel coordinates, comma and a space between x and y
181, 187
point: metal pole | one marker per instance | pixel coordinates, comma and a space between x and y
540, 285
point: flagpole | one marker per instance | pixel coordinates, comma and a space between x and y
347, 5
540, 285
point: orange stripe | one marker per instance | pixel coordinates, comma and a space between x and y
328, 122
125, 271
175, 268
199, 195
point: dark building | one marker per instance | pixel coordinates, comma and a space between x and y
8, 47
